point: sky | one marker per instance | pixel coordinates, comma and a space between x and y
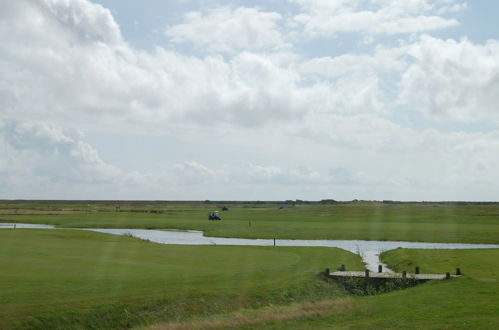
249, 100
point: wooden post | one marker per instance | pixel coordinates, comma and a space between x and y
327, 271
458, 271
274, 241
404, 274
380, 268
343, 267
447, 276
367, 274
417, 270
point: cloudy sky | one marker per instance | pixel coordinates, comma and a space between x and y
249, 100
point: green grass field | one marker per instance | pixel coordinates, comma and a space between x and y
76, 279
470, 302
368, 221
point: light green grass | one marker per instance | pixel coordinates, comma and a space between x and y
470, 302
69, 279
77, 279
367, 221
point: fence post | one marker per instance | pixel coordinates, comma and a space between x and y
367, 274
417, 270
458, 271
447, 275
404, 274
343, 267
380, 269
327, 271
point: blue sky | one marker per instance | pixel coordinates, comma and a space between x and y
261, 100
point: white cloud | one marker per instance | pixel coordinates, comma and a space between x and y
457, 80
194, 173
374, 17
382, 59
44, 151
278, 175
76, 72
258, 122
230, 30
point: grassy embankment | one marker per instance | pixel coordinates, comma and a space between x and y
75, 279
368, 221
470, 302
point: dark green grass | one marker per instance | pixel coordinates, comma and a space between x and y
470, 302
368, 221
76, 279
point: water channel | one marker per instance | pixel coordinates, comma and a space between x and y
368, 250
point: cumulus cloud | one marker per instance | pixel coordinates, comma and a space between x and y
192, 172
252, 117
381, 60
458, 80
276, 174
75, 67
43, 150
230, 30
374, 17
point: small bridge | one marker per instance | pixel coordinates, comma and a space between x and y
417, 276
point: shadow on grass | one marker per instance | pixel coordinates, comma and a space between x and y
373, 286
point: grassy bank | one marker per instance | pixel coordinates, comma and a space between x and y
470, 302
76, 279
368, 221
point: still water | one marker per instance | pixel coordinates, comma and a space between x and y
368, 250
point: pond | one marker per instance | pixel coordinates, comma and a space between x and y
368, 250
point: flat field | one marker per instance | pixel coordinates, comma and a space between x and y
431, 222
76, 279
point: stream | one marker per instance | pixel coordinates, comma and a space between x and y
368, 250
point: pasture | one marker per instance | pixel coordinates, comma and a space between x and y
67, 278
77, 279
432, 222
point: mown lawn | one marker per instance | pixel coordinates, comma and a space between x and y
368, 221
470, 302
76, 279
